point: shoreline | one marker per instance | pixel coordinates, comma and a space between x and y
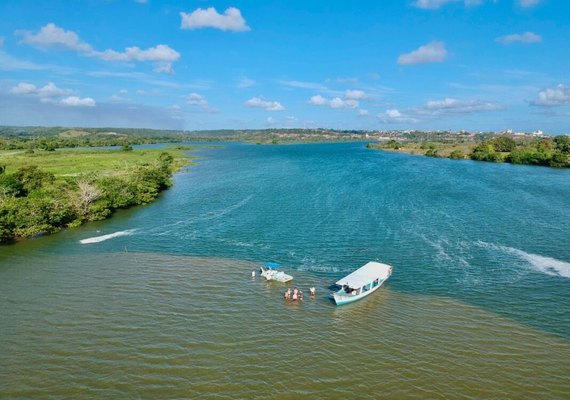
40, 201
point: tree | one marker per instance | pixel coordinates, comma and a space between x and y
504, 144
85, 196
457, 155
562, 143
33, 178
485, 151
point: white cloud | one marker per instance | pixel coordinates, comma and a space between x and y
258, 102
527, 37
393, 115
355, 95
74, 101
231, 20
435, 4
528, 3
53, 37
195, 99
318, 100
270, 121
49, 90
24, 88
335, 102
431, 52
363, 113
437, 109
451, 105
552, 97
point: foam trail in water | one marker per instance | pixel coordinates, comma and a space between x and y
547, 265
97, 239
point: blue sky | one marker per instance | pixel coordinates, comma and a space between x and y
406, 64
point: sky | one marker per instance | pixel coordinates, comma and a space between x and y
478, 65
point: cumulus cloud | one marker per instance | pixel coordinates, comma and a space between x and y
552, 97
431, 52
230, 20
438, 108
24, 88
49, 90
527, 37
355, 95
50, 93
435, 4
335, 102
393, 115
257, 102
74, 101
528, 3
195, 99
52, 36
318, 100
451, 105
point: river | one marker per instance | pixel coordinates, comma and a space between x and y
159, 302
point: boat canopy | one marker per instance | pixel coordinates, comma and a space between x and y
272, 264
366, 274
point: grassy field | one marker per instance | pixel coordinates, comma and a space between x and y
71, 162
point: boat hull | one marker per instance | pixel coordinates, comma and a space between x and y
340, 299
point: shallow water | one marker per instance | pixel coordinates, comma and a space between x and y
158, 302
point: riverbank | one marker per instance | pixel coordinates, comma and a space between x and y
544, 151
42, 192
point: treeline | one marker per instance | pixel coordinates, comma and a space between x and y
548, 152
34, 202
551, 152
51, 143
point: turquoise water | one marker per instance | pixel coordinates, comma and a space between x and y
159, 301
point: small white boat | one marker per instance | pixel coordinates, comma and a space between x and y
270, 273
362, 282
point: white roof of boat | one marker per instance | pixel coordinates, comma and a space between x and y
366, 274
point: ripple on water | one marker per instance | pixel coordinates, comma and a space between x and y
154, 326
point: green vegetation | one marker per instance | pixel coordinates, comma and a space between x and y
77, 185
51, 138
545, 151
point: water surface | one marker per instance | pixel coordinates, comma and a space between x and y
158, 302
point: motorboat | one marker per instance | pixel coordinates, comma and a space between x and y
362, 282
270, 272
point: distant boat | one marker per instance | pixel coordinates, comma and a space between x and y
362, 282
269, 272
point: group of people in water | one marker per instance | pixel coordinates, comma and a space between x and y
297, 294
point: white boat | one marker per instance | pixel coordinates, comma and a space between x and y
362, 282
270, 273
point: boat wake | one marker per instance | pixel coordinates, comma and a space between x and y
97, 239
547, 265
